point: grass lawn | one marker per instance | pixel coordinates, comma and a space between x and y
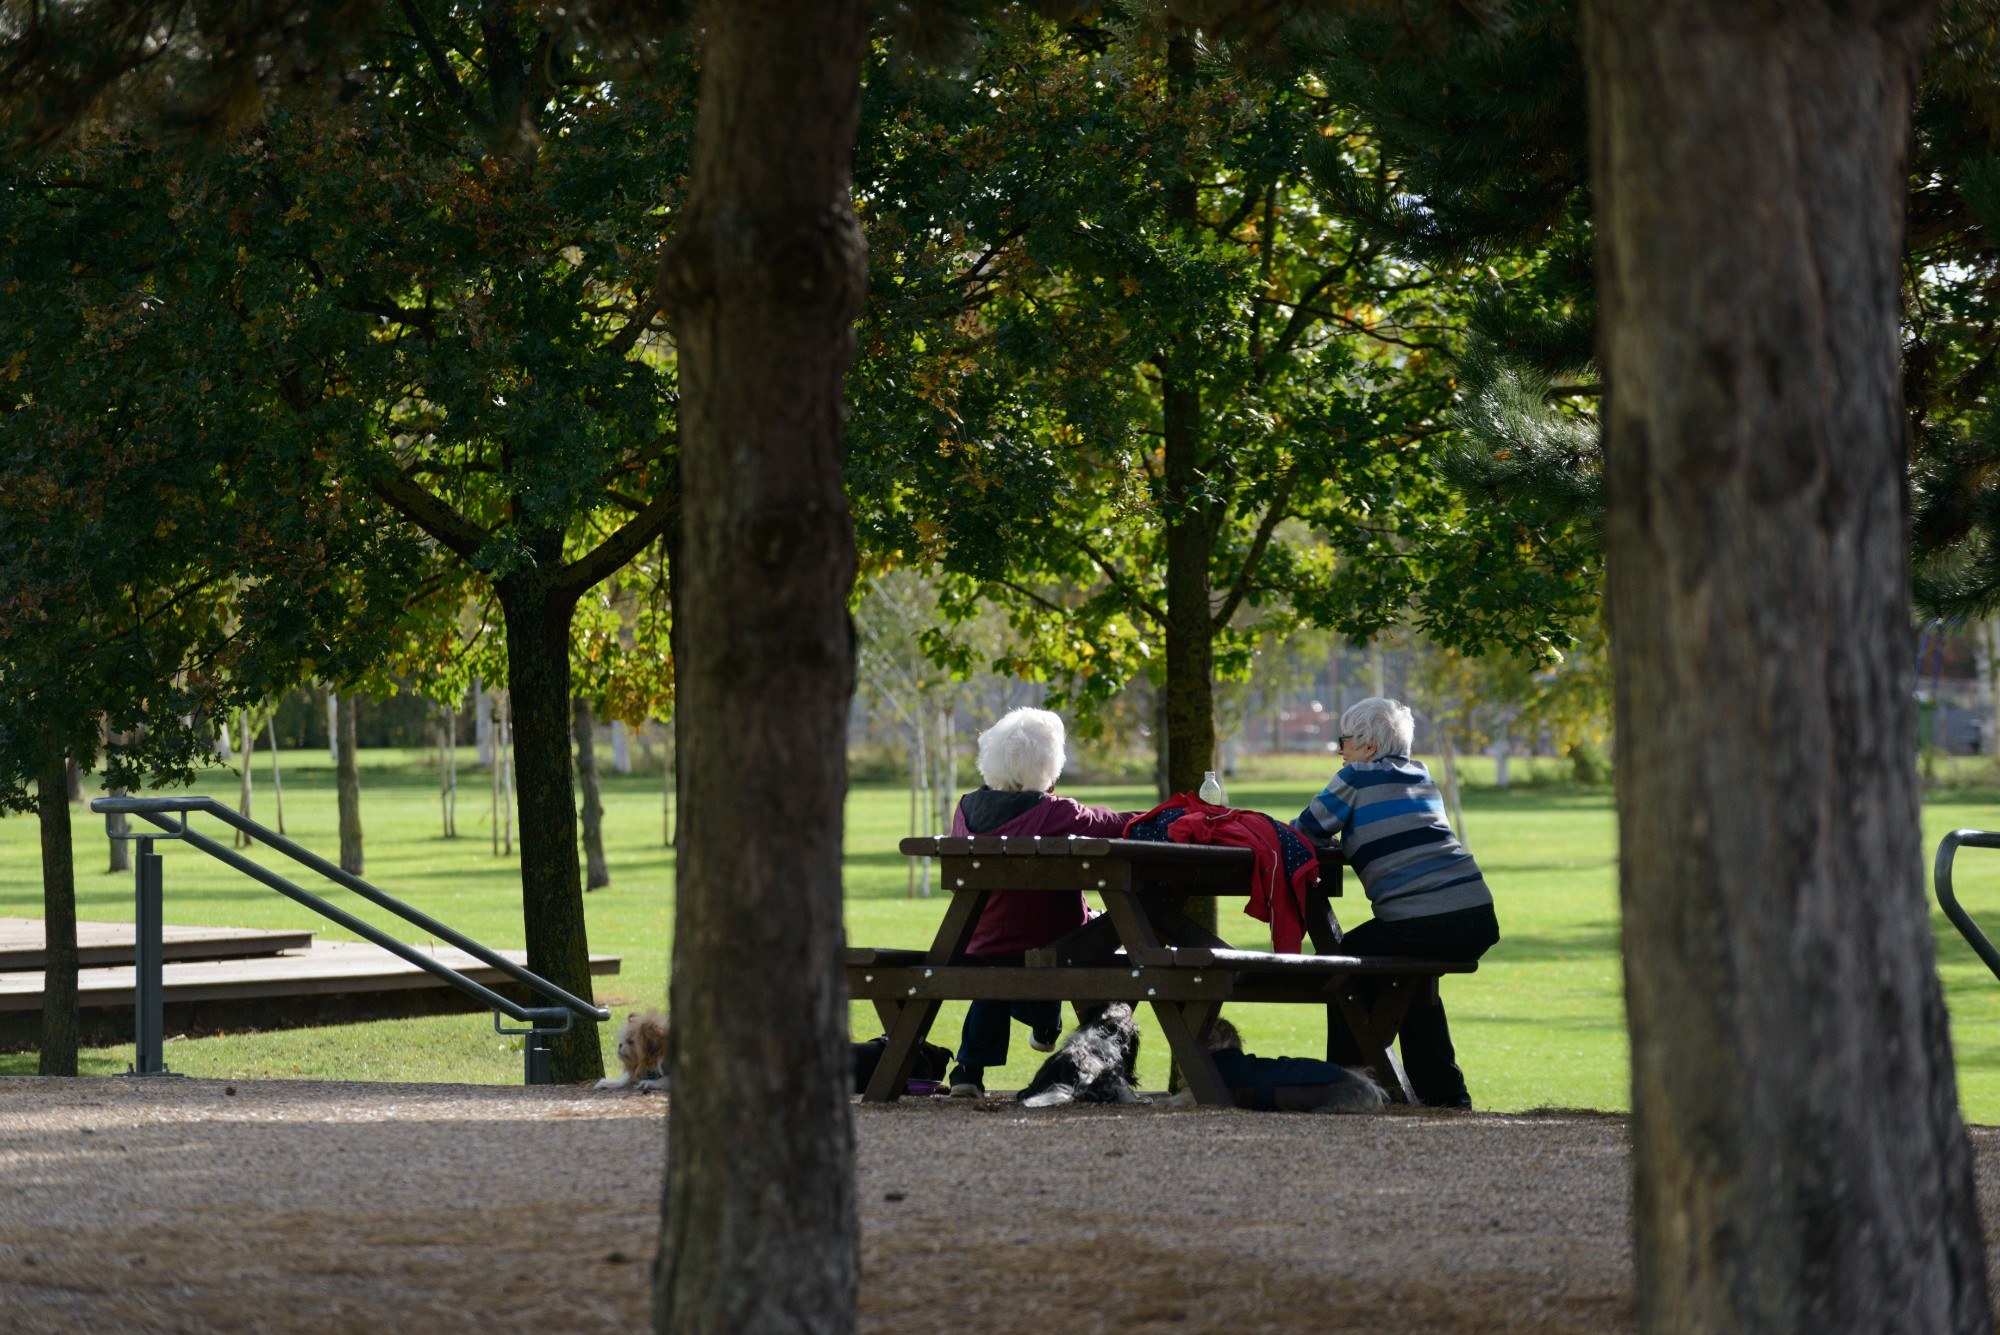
1541, 1023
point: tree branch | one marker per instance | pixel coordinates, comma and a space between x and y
1255, 555
1118, 581
617, 551
642, 320
1032, 596
435, 53
430, 514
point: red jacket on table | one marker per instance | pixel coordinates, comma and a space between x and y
1287, 869
1017, 920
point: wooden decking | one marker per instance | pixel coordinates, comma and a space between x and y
220, 979
106, 943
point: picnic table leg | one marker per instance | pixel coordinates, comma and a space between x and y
1201, 1018
912, 1023
886, 1011
1197, 1063
1374, 1029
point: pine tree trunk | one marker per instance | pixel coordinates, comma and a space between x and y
597, 873
538, 712
59, 1011
347, 784
761, 1232
1800, 1163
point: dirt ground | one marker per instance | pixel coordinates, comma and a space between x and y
200, 1206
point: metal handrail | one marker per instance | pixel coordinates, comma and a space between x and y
1948, 900
159, 811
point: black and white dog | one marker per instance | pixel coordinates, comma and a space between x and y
1095, 1064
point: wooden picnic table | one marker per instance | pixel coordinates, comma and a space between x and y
1142, 948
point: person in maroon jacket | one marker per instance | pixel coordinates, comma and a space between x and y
1019, 759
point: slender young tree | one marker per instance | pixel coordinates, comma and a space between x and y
347, 787
597, 872
766, 277
1800, 1161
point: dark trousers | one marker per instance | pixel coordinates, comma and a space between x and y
983, 1041
1460, 937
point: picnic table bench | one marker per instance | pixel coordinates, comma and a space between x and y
1142, 948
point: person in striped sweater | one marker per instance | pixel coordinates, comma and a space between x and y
1427, 893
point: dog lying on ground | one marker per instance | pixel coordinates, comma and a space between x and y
642, 1051
1275, 1084
1095, 1064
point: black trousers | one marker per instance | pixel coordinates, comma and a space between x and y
1428, 1059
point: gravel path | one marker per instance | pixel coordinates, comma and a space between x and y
199, 1206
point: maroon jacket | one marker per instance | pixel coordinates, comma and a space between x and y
1016, 920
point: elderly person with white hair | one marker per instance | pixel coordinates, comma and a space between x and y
1019, 759
1427, 894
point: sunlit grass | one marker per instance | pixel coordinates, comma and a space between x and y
1540, 1024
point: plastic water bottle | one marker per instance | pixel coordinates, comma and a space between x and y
1211, 789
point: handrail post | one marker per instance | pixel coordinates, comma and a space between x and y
540, 1058
148, 987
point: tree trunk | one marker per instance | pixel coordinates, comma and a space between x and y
493, 772
73, 777
347, 785
538, 748
1454, 809
244, 783
482, 722
597, 873
115, 827
766, 278
448, 773
621, 747
333, 726
1985, 639
277, 781
1800, 1164
59, 1015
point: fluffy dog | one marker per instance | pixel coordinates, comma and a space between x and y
642, 1051
1095, 1064
1352, 1091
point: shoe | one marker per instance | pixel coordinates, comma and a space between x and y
1460, 1101
968, 1082
1040, 1044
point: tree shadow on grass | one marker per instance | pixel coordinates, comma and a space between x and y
1598, 938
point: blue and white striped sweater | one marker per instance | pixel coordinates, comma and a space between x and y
1390, 821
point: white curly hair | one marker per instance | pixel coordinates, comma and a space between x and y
1387, 723
1023, 752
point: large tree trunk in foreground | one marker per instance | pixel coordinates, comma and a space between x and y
538, 621
347, 786
761, 1231
59, 1018
597, 873
1800, 1162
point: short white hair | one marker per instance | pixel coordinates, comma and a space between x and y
1387, 723
1023, 752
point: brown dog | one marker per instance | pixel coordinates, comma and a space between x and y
642, 1051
